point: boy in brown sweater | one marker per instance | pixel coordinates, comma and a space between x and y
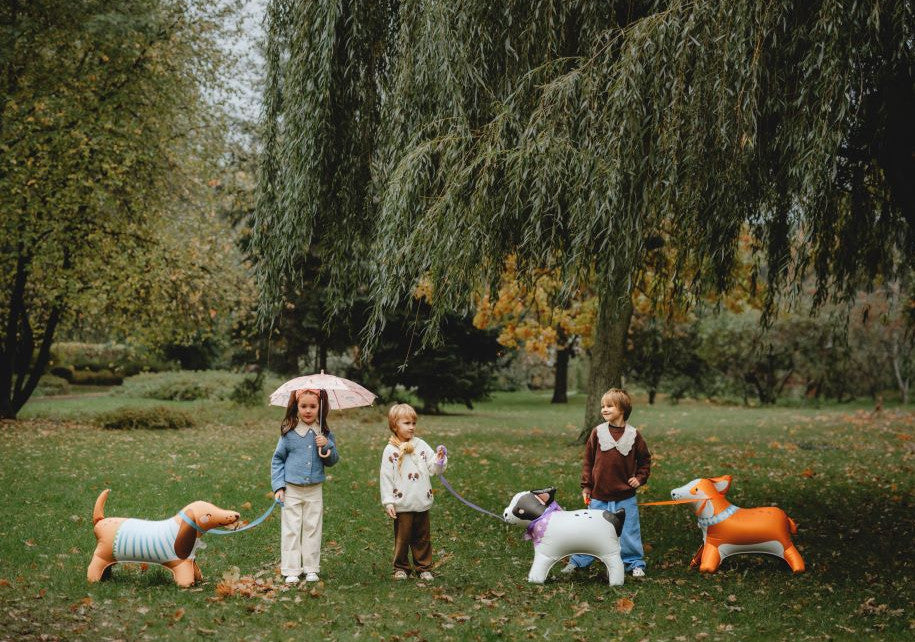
615, 463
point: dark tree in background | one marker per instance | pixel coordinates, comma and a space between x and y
456, 368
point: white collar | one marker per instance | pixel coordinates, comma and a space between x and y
606, 441
302, 429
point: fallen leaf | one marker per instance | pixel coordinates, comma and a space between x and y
177, 615
624, 605
583, 608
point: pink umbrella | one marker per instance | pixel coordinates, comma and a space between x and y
341, 393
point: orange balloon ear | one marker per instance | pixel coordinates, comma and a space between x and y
187, 536
723, 483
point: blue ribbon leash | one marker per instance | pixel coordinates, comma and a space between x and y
219, 531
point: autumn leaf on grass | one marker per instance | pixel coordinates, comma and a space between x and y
808, 473
581, 609
246, 506
245, 586
624, 605
363, 618
441, 560
177, 615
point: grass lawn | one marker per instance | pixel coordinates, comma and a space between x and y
842, 474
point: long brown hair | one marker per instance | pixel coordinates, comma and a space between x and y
292, 410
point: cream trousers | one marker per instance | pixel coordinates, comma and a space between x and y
303, 513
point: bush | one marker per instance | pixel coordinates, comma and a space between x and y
155, 418
122, 360
50, 385
249, 391
189, 385
95, 378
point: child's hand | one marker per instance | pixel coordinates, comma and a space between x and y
441, 453
586, 496
634, 482
280, 495
389, 509
321, 441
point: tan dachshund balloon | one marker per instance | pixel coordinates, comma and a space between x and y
730, 530
170, 542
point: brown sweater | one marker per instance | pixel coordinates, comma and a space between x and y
606, 472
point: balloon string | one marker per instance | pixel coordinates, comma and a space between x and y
464, 501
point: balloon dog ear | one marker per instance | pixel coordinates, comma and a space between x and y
545, 495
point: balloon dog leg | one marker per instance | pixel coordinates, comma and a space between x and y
615, 570
540, 568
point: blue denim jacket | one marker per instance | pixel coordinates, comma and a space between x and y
296, 460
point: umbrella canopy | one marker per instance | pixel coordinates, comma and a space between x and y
341, 393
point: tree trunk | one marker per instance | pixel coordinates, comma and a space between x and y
902, 382
613, 317
561, 382
652, 393
322, 358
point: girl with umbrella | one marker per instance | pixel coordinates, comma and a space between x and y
305, 448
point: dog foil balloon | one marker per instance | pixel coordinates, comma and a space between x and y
557, 533
170, 542
730, 530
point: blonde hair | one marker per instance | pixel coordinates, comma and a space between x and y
397, 412
619, 398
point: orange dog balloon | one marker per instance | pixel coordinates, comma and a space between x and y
170, 542
729, 530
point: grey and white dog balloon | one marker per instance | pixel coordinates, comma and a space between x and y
557, 533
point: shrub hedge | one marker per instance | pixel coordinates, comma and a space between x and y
154, 418
190, 385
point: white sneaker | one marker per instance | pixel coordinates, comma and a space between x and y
638, 571
311, 577
292, 579
569, 568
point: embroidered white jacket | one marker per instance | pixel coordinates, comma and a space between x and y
408, 486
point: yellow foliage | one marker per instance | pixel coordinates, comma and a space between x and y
530, 314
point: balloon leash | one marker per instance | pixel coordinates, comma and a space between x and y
668, 502
216, 531
464, 501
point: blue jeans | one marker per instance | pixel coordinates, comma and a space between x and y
631, 538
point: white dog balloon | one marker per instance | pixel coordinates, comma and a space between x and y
557, 533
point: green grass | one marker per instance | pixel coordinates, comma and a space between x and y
843, 475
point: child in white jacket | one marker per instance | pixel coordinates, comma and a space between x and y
406, 491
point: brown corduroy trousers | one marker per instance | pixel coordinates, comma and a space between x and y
411, 533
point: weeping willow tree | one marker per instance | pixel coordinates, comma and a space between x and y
591, 136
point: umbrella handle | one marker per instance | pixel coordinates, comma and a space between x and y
322, 454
